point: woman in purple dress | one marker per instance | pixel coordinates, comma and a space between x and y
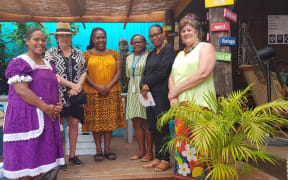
32, 139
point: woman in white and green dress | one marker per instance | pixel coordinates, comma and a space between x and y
135, 64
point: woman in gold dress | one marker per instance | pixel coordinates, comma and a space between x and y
103, 111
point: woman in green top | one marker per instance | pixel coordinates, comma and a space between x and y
190, 78
135, 64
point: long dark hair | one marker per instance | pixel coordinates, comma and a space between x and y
94, 30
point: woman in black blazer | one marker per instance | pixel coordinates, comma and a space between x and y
155, 79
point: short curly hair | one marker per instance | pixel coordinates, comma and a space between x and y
29, 32
192, 20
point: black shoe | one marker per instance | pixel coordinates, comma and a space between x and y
63, 167
76, 161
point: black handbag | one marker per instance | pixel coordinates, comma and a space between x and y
81, 98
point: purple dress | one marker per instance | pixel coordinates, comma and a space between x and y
32, 142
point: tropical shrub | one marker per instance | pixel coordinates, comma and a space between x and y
229, 132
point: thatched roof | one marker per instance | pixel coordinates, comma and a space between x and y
89, 10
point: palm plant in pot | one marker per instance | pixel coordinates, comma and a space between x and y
229, 132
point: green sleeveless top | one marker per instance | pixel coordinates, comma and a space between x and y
186, 66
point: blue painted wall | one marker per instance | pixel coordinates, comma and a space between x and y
114, 31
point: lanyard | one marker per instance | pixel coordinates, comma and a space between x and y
135, 63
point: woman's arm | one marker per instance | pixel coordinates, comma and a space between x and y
116, 76
144, 90
65, 82
206, 66
3, 99
59, 107
28, 96
77, 88
100, 88
171, 86
82, 79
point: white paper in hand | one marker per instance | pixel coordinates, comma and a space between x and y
147, 102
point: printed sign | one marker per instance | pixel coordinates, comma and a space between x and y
167, 28
230, 15
278, 29
227, 41
220, 56
170, 34
214, 3
220, 26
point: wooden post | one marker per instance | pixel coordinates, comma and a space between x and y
124, 52
170, 21
223, 70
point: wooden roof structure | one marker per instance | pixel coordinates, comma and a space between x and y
89, 10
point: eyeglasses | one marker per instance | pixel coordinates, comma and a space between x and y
137, 42
155, 35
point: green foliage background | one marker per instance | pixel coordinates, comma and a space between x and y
13, 43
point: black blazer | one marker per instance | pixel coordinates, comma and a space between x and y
157, 70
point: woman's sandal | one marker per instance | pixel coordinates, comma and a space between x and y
147, 157
162, 166
111, 156
153, 163
139, 155
99, 157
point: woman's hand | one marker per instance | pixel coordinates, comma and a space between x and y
73, 92
77, 88
50, 110
29, 97
107, 89
144, 91
173, 102
172, 94
103, 90
58, 109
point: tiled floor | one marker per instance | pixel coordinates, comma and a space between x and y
124, 168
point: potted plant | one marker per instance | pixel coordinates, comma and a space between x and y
229, 132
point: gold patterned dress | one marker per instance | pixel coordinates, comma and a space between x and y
102, 113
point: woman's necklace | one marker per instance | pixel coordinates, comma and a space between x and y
188, 50
158, 50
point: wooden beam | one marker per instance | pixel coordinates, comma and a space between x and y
150, 17
181, 5
77, 7
41, 24
24, 5
128, 12
84, 26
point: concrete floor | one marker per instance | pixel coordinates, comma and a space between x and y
124, 168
